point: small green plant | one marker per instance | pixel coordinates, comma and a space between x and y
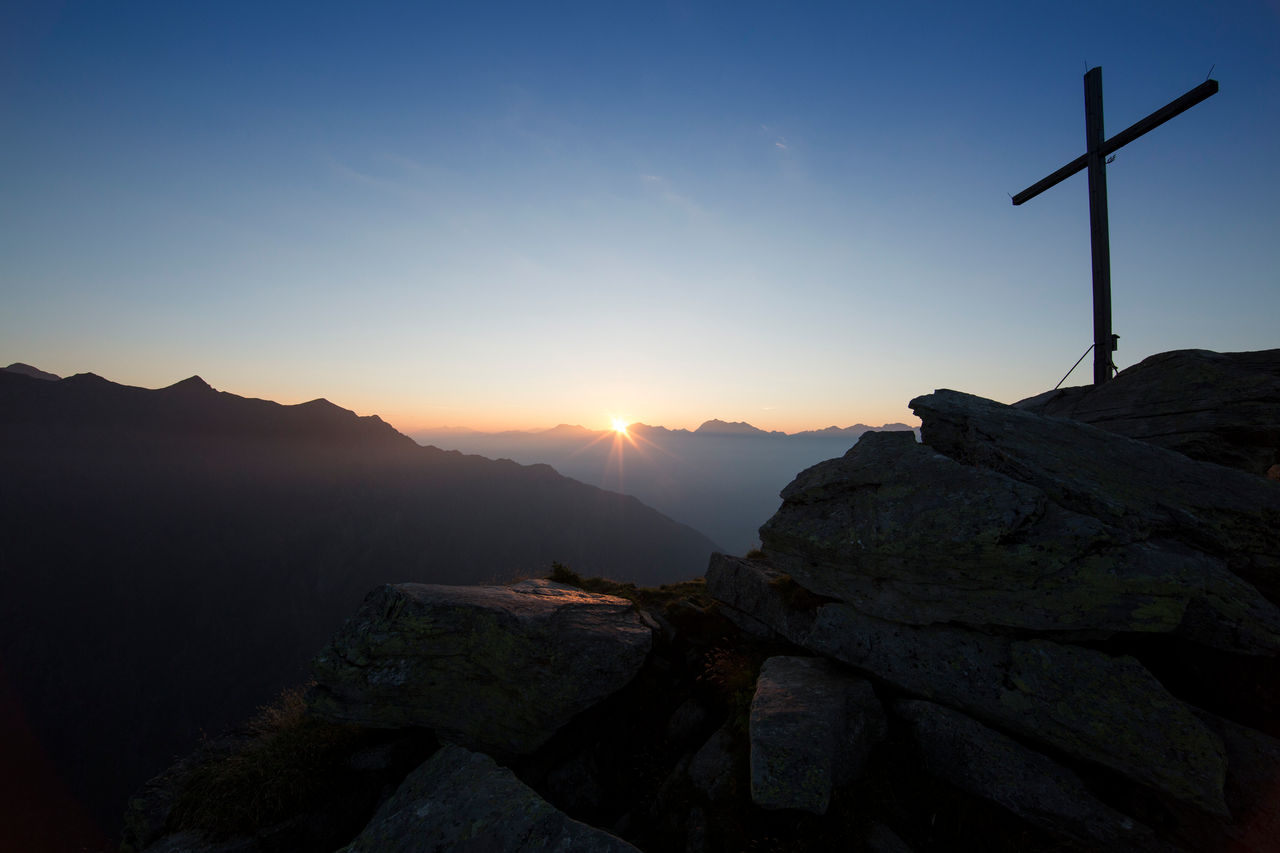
289, 760
560, 573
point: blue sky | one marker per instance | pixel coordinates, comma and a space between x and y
515, 215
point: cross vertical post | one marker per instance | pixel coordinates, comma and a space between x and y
1097, 148
1099, 236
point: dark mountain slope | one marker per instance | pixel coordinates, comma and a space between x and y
171, 558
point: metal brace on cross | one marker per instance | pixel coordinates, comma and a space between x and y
1095, 159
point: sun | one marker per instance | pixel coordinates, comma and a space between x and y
619, 426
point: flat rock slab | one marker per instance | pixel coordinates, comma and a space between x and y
495, 667
811, 728
986, 763
460, 800
1220, 407
1151, 493
1104, 709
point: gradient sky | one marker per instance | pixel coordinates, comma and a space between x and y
516, 215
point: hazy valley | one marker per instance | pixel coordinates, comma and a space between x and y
722, 479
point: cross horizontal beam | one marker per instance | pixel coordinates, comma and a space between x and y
1124, 137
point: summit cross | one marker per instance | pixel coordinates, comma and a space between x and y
1097, 149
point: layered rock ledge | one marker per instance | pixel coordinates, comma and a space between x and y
1049, 596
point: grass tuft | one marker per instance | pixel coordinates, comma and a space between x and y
732, 672
656, 599
289, 761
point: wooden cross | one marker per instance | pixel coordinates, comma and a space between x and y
1095, 158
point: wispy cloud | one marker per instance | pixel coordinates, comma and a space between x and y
393, 174
395, 185
669, 195
770, 131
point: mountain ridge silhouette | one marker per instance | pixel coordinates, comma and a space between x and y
173, 557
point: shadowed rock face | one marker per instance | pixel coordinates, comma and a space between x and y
1106, 709
989, 764
495, 667
812, 726
1221, 407
462, 800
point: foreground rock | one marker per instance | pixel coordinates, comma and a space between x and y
905, 533
986, 763
1253, 786
812, 727
500, 668
463, 801
1148, 493
1221, 407
1088, 704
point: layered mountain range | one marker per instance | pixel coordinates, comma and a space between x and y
721, 478
173, 557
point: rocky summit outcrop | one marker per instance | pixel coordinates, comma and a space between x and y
1221, 407
1052, 601
494, 667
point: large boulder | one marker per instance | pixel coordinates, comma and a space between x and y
988, 764
1221, 407
714, 769
495, 667
1151, 494
905, 533
1253, 786
1085, 703
811, 727
460, 800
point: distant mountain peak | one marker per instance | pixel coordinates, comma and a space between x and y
566, 429
189, 385
715, 426
87, 378
33, 372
